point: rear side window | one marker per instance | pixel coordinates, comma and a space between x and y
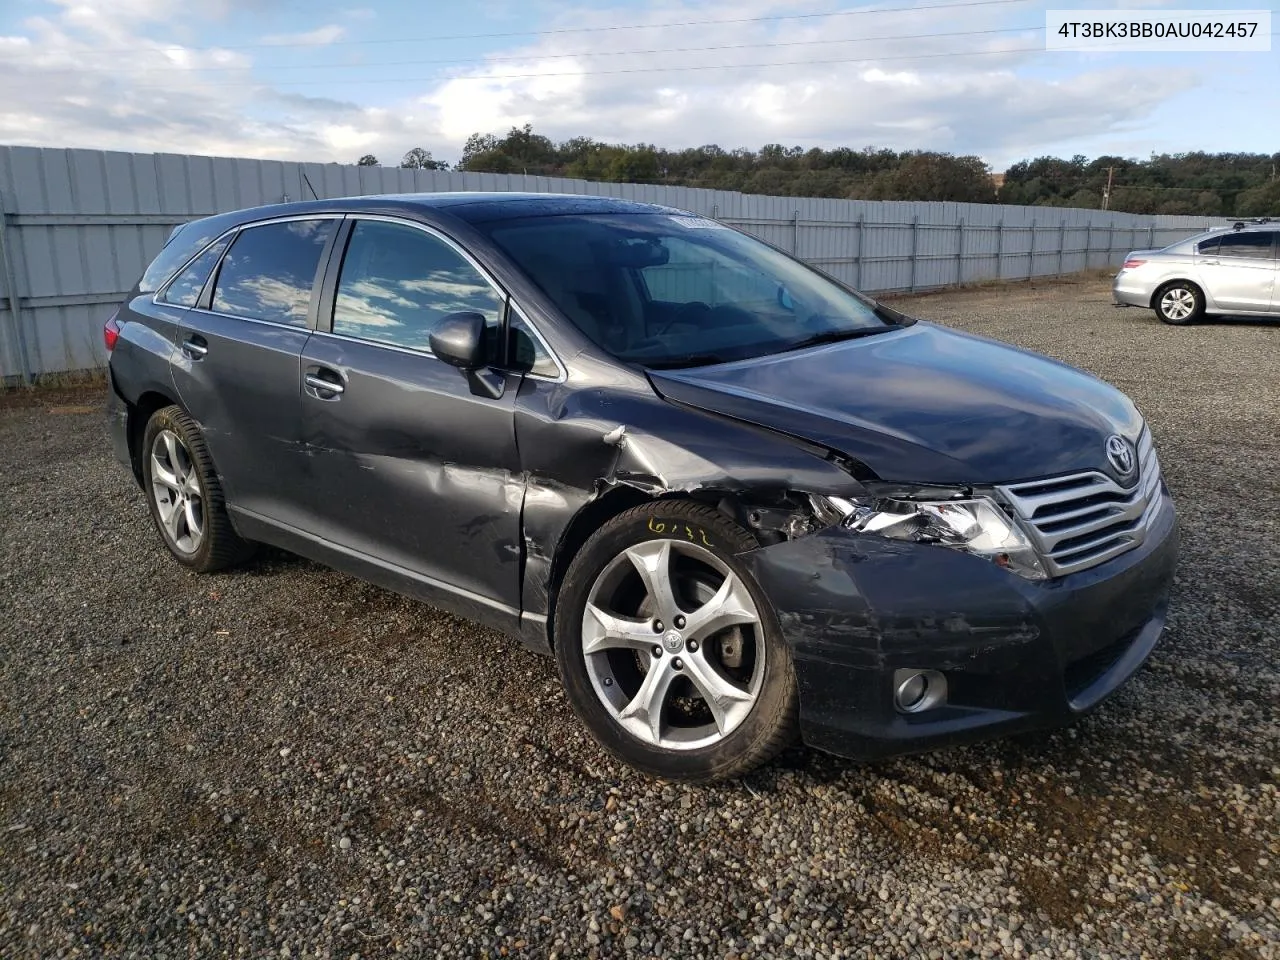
185, 289
1252, 246
398, 282
270, 269
1209, 248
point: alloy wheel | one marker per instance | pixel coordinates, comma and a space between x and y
1178, 303
672, 644
175, 485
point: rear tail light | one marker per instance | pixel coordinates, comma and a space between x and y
1131, 263
111, 332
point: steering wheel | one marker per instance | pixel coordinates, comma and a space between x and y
684, 312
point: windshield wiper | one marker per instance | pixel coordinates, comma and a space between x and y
693, 360
834, 336
891, 316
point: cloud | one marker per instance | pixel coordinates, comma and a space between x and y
319, 37
900, 79
61, 84
966, 80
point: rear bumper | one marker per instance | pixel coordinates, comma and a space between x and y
1130, 291
1016, 655
118, 426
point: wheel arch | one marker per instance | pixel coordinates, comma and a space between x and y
590, 518
756, 512
140, 413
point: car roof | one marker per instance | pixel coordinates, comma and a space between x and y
1247, 226
472, 207
486, 207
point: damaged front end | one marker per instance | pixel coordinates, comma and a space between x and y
923, 617
916, 615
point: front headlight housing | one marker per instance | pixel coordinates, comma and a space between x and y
974, 525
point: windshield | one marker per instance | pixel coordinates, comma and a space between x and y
668, 291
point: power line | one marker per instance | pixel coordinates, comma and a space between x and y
564, 56
955, 4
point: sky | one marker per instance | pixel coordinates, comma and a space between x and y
332, 80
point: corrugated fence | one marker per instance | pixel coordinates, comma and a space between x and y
77, 228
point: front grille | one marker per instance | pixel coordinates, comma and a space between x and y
1084, 519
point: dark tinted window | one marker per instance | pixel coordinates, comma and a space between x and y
1209, 248
1255, 245
398, 282
182, 243
186, 286
524, 351
269, 271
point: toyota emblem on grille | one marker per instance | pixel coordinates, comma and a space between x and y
1120, 455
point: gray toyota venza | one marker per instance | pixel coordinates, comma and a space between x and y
739, 502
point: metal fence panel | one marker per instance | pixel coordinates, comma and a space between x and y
77, 228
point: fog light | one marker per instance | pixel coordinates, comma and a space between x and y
918, 690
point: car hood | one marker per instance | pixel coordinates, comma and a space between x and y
922, 404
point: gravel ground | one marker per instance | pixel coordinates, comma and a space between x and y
285, 762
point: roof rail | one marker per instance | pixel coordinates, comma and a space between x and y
1240, 224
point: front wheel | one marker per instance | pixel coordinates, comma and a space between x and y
668, 648
1180, 303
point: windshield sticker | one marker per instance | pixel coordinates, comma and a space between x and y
698, 223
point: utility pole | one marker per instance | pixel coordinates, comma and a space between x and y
1106, 194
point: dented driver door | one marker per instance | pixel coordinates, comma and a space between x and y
413, 467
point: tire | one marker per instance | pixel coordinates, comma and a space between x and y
615, 657
1179, 303
185, 495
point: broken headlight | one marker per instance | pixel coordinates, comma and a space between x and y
975, 525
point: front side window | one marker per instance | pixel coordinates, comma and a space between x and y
185, 289
398, 282
1255, 245
669, 290
270, 269
525, 352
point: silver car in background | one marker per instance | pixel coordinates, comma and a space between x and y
1231, 270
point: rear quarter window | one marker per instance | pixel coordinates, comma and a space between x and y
185, 288
185, 241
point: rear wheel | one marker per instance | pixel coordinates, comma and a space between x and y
185, 495
669, 650
1179, 303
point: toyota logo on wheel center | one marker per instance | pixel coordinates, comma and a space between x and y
673, 640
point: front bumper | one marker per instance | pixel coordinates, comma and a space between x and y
1016, 654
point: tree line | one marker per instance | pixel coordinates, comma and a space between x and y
1200, 184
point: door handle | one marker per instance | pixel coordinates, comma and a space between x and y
321, 385
195, 347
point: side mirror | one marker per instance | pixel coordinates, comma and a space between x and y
458, 340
